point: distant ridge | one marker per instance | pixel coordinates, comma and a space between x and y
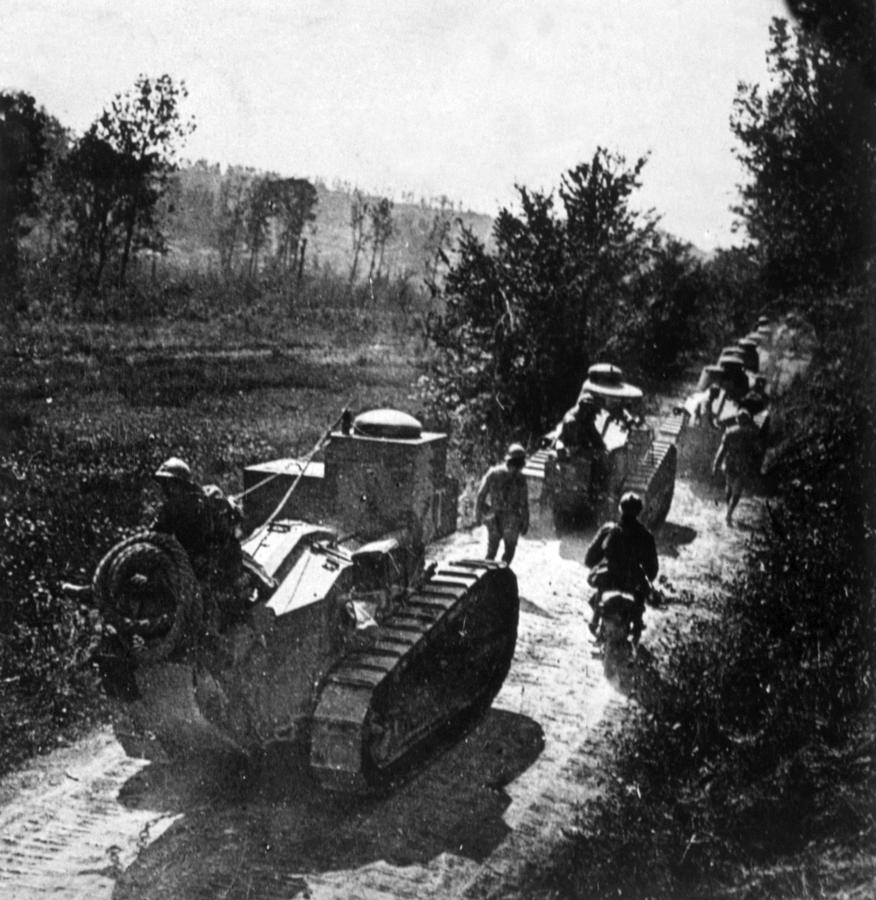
329, 241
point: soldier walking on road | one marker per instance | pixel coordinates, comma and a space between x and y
629, 554
503, 503
738, 457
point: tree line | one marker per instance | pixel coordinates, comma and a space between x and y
78, 212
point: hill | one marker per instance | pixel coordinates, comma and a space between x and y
198, 203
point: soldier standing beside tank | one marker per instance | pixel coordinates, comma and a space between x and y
629, 554
738, 456
578, 430
207, 526
503, 503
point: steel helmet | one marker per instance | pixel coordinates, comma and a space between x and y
515, 451
631, 504
175, 469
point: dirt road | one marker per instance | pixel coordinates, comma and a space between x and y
88, 822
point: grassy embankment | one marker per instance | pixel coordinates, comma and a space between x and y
91, 409
749, 772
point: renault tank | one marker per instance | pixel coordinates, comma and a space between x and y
580, 486
735, 382
354, 650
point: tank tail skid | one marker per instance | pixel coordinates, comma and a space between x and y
435, 665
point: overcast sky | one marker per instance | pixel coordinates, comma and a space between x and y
430, 96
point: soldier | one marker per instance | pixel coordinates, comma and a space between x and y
738, 456
755, 401
629, 555
503, 503
201, 519
208, 526
578, 430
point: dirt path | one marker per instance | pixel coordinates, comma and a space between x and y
88, 822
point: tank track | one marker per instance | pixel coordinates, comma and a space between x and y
653, 479
535, 464
435, 665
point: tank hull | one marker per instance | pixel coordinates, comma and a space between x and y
577, 490
365, 715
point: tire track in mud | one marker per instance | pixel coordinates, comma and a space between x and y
89, 822
72, 838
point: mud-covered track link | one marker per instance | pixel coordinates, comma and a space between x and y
654, 480
434, 666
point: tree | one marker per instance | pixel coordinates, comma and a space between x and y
23, 155
436, 245
143, 126
233, 203
809, 148
90, 176
524, 322
295, 202
381, 230
359, 207
257, 218
664, 319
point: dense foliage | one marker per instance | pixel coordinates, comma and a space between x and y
808, 144
23, 154
559, 289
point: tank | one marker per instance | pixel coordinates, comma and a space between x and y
355, 653
714, 405
582, 487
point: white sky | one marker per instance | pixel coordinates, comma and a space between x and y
431, 96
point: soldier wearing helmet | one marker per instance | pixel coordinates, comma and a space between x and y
503, 503
755, 401
578, 432
626, 554
738, 457
204, 521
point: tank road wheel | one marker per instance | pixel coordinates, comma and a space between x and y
147, 592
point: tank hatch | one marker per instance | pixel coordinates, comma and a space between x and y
387, 423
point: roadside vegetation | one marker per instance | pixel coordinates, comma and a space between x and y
748, 770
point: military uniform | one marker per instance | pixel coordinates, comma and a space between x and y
628, 551
503, 503
204, 525
207, 526
578, 431
738, 457
630, 555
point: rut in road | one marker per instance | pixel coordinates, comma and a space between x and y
72, 838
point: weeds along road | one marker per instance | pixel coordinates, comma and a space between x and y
87, 822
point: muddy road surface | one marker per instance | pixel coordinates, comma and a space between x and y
88, 822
